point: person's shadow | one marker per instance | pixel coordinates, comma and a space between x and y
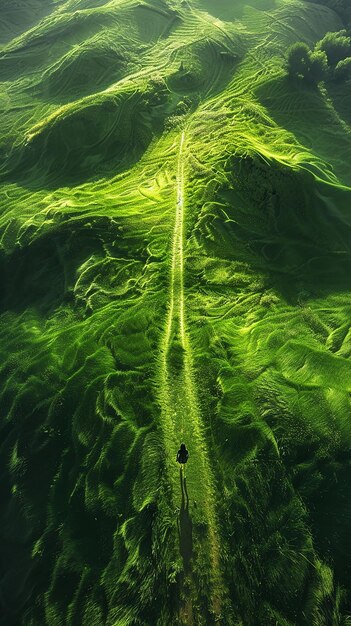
185, 527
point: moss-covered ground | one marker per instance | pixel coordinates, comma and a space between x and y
175, 260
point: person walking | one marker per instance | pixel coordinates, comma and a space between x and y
182, 455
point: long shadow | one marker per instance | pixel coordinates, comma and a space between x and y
185, 527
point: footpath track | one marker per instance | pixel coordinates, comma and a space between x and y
181, 421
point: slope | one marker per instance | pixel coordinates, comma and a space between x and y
175, 256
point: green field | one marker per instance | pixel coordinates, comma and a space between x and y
175, 231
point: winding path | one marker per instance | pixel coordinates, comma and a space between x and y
181, 421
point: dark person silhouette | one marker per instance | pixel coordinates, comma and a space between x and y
182, 455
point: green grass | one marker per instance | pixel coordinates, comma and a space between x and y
175, 260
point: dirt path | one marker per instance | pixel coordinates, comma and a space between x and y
181, 421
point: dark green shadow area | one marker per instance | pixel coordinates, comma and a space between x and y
340, 95
87, 143
42, 274
301, 109
286, 225
17, 17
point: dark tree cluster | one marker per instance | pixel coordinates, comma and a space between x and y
307, 64
330, 59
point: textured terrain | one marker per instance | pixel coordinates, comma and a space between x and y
175, 258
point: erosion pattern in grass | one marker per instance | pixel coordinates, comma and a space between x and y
175, 260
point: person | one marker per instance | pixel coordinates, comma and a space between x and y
182, 455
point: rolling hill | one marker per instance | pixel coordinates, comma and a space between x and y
175, 257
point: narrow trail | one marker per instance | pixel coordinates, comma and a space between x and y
181, 421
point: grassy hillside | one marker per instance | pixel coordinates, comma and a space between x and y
175, 255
